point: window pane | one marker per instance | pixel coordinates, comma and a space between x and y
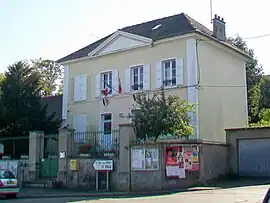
135, 71
107, 127
141, 70
173, 64
110, 76
173, 81
107, 116
167, 64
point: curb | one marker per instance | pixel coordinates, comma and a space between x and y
117, 194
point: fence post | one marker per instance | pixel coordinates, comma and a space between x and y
63, 143
36, 150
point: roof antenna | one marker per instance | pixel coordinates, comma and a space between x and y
211, 12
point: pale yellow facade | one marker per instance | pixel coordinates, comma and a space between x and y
218, 72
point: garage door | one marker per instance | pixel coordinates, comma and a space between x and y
254, 159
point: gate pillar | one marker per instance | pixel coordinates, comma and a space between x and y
36, 152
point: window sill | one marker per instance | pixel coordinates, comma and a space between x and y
136, 91
79, 101
170, 87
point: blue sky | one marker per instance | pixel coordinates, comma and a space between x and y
52, 29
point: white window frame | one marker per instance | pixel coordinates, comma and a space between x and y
171, 72
140, 76
102, 135
102, 82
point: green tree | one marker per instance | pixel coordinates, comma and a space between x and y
265, 92
21, 110
155, 114
51, 76
2, 78
264, 118
254, 73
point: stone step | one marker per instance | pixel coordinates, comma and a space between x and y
37, 184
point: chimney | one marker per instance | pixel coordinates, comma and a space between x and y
219, 28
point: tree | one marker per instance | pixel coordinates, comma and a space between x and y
265, 92
2, 78
264, 119
51, 76
155, 114
21, 110
254, 74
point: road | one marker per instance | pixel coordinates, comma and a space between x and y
248, 194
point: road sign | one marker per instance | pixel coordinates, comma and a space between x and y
103, 165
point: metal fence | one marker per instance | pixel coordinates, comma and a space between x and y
95, 144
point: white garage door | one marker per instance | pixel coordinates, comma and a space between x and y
254, 157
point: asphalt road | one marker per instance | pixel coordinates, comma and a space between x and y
248, 194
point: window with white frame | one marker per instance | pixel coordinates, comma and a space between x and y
106, 82
137, 78
169, 72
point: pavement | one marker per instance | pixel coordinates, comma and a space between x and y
248, 191
246, 194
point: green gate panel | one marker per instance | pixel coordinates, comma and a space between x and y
49, 168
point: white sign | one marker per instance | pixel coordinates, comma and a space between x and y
62, 155
103, 165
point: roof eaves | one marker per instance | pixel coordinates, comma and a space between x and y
224, 43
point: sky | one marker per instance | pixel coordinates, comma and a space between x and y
52, 29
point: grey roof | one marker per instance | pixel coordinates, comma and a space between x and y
170, 26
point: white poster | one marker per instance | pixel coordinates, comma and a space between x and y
145, 159
137, 159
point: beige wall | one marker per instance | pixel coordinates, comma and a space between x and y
221, 96
119, 103
222, 93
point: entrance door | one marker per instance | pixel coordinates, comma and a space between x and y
106, 132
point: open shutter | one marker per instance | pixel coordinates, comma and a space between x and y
158, 74
179, 71
146, 77
65, 93
97, 86
77, 90
127, 80
115, 81
83, 87
79, 125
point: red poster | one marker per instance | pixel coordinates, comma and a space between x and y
174, 161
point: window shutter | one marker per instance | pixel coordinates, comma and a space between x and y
158, 74
179, 71
83, 87
72, 87
77, 90
79, 125
127, 80
65, 93
98, 85
115, 81
146, 77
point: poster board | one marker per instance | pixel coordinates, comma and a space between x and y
180, 159
144, 159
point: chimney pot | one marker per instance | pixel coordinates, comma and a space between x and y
215, 15
222, 19
218, 17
